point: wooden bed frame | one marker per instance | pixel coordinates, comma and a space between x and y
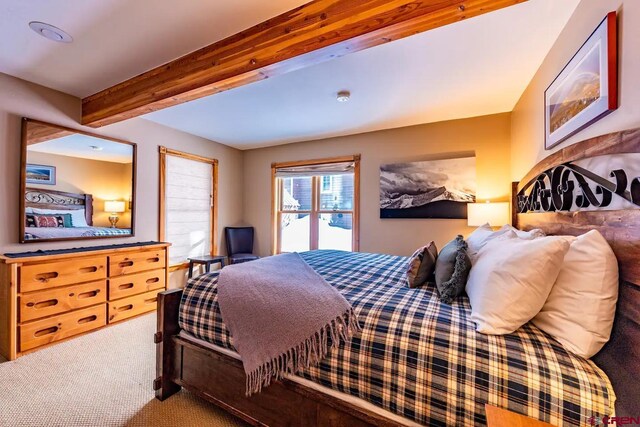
620, 358
218, 378
42, 198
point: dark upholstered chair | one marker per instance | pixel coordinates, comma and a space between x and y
239, 244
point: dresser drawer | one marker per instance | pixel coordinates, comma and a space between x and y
46, 303
48, 275
132, 284
132, 306
134, 262
41, 332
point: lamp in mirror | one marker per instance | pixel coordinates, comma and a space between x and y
496, 214
113, 207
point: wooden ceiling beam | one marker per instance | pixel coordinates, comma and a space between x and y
315, 32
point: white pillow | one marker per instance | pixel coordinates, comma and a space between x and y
476, 240
527, 235
484, 234
480, 237
580, 309
511, 280
77, 215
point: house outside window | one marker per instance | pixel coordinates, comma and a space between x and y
316, 205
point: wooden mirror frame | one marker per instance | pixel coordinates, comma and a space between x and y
42, 135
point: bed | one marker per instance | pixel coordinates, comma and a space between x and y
418, 361
60, 201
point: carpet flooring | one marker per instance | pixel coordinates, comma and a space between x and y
100, 379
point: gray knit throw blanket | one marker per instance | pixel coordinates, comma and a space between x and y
282, 315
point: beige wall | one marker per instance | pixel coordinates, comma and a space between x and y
527, 129
488, 137
20, 98
103, 180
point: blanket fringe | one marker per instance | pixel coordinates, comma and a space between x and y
308, 353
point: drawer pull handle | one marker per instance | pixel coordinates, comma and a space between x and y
92, 269
153, 280
124, 308
151, 300
43, 304
154, 259
90, 294
126, 264
45, 277
47, 331
125, 286
87, 319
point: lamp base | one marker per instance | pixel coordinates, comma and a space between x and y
113, 219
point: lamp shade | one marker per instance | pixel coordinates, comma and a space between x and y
114, 206
496, 214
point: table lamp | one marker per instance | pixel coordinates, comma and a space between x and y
496, 214
114, 207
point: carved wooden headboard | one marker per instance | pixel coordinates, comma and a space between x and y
59, 200
562, 196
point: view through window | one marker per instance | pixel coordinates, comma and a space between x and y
316, 207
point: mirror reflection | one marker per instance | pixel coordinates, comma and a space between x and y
76, 185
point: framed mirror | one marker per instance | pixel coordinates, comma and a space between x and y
75, 185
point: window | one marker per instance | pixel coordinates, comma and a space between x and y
327, 181
315, 205
187, 205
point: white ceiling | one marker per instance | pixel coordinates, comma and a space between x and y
78, 145
475, 67
116, 39
472, 68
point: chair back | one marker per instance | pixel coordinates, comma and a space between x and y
239, 240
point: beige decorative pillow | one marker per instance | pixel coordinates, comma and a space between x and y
580, 309
511, 280
421, 265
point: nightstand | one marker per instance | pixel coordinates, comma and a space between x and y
497, 417
207, 261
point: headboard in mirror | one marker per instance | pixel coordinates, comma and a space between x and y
75, 185
595, 184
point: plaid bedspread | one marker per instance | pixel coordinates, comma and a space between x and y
35, 233
424, 360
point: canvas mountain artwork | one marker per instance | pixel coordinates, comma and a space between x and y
427, 189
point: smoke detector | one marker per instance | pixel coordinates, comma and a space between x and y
50, 32
343, 96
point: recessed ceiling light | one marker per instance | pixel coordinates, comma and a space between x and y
50, 32
96, 147
343, 96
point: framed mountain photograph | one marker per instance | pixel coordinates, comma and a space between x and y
428, 189
586, 89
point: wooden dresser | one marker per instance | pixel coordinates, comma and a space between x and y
52, 297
